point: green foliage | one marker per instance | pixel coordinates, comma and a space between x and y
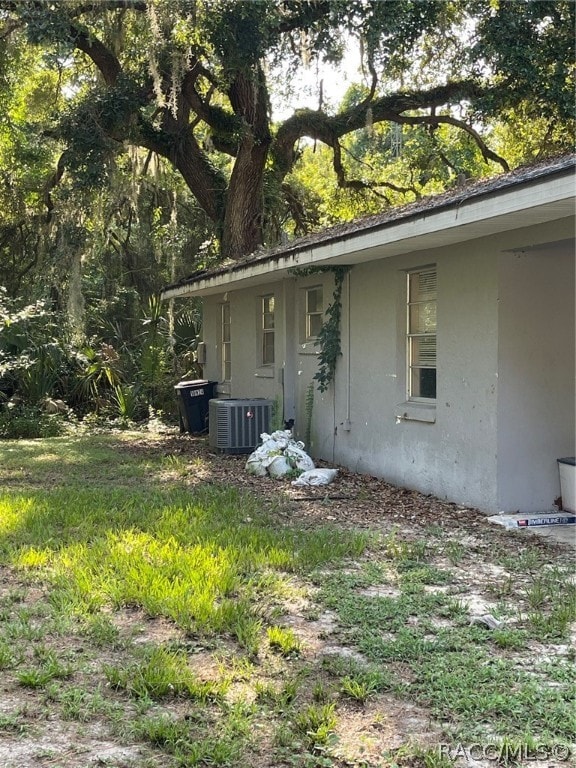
39, 361
316, 724
276, 418
48, 667
36, 360
308, 410
127, 403
102, 370
192, 83
30, 422
91, 127
162, 673
526, 45
329, 336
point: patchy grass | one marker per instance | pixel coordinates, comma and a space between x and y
480, 681
155, 622
101, 533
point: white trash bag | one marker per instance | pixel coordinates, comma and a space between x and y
278, 455
321, 476
298, 457
255, 466
279, 467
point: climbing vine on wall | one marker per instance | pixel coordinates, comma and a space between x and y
329, 338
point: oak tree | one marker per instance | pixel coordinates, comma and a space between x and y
192, 81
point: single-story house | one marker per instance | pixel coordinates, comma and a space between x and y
457, 368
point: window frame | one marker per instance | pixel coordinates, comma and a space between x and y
267, 332
413, 335
225, 342
308, 314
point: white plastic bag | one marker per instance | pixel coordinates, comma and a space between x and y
298, 458
279, 466
278, 455
316, 477
255, 466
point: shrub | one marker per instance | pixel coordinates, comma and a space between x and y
29, 422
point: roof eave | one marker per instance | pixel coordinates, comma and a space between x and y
534, 201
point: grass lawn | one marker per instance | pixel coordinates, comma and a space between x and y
156, 612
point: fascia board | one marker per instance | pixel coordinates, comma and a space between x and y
516, 207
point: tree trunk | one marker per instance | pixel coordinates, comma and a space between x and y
242, 227
243, 218
204, 181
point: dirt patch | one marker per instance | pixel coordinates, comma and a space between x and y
136, 625
382, 590
70, 745
354, 499
367, 732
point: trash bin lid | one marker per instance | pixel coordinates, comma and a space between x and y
568, 460
194, 382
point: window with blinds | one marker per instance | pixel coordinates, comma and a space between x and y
421, 334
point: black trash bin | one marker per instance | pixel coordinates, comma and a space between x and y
193, 399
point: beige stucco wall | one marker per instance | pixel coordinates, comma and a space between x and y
505, 404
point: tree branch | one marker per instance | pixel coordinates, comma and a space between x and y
222, 123
53, 182
10, 26
357, 184
435, 120
101, 56
296, 208
307, 14
328, 128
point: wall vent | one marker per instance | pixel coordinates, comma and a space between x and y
235, 426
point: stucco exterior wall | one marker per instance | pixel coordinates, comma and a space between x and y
249, 377
505, 369
450, 450
315, 427
210, 336
536, 362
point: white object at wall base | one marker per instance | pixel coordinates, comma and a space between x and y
567, 468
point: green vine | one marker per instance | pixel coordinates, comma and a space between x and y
329, 337
276, 420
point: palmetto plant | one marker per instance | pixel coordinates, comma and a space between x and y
166, 349
125, 399
101, 373
118, 375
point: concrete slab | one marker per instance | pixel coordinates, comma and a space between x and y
552, 525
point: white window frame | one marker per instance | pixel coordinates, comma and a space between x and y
311, 316
421, 359
225, 341
267, 329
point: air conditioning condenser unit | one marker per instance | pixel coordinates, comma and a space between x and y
235, 426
